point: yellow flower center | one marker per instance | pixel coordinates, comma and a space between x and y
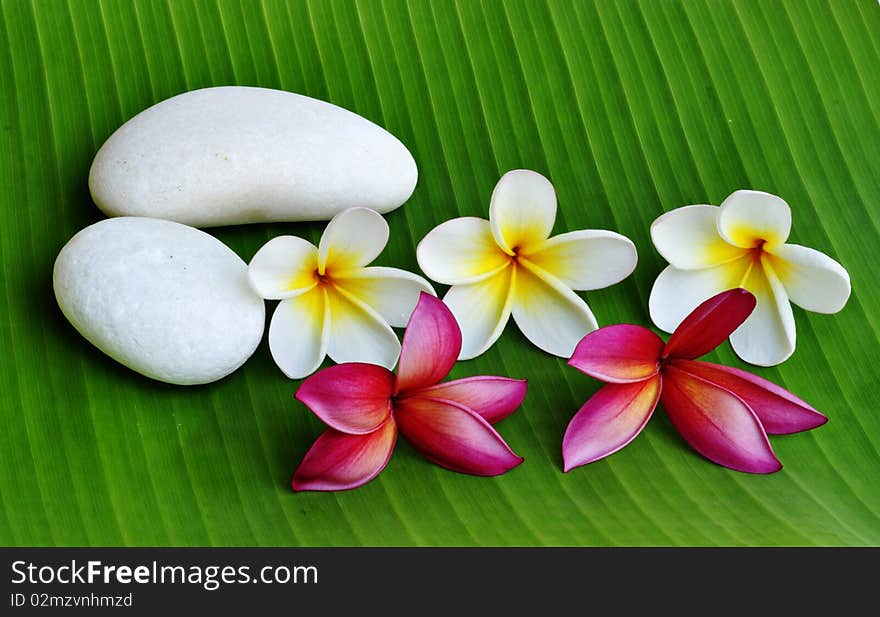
515, 257
755, 256
322, 279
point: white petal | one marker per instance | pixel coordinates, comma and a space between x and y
353, 238
358, 333
391, 292
812, 280
460, 251
283, 268
297, 334
548, 313
688, 238
749, 217
522, 210
678, 292
587, 259
767, 337
481, 310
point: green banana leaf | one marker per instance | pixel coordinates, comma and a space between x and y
630, 108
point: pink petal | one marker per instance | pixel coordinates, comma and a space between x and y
431, 345
609, 420
353, 398
454, 436
709, 324
718, 424
493, 398
618, 354
338, 461
779, 411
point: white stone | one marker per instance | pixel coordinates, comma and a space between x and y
233, 155
166, 300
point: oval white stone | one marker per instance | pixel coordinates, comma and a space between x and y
166, 300
233, 155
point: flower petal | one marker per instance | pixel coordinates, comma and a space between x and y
767, 337
608, 421
710, 324
622, 353
284, 267
586, 259
460, 251
354, 398
678, 292
298, 333
548, 313
391, 292
718, 424
338, 461
493, 398
352, 239
431, 344
747, 218
358, 333
688, 238
454, 437
812, 280
481, 310
779, 411
522, 210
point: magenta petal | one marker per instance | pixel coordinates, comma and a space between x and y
709, 324
608, 421
431, 345
618, 354
493, 398
338, 461
353, 398
718, 424
454, 437
779, 411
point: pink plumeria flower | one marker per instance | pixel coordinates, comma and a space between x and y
724, 413
743, 243
365, 405
509, 265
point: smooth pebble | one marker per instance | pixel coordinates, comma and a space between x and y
166, 300
232, 155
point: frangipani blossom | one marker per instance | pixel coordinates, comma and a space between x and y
366, 405
724, 413
331, 302
509, 265
742, 243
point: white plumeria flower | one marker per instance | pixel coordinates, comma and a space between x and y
510, 265
331, 303
741, 243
